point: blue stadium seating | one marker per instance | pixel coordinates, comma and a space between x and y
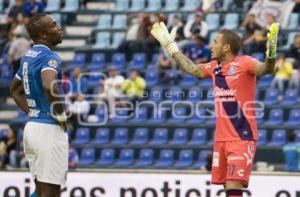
82, 136
101, 137
137, 5
201, 160
3, 133
140, 115
52, 5
154, 60
58, 18
293, 22
118, 37
156, 94
278, 137
231, 21
1, 8
94, 79
275, 117
198, 117
141, 136
271, 97
160, 137
120, 21
157, 117
78, 60
205, 84
175, 94
87, 156
122, 5
102, 113
104, 21
120, 136
138, 61
213, 21
185, 159
259, 56
153, 5
102, 40
172, 74
107, 158
71, 6
290, 97
259, 114
98, 62
188, 81
146, 158
126, 158
166, 159
194, 94
178, 115
264, 82
290, 40
171, 5
199, 137
262, 137
294, 118
151, 78
190, 5
180, 136
297, 133
118, 60
120, 116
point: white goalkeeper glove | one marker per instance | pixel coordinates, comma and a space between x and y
166, 39
272, 40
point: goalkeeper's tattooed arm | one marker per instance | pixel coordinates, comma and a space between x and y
187, 65
267, 67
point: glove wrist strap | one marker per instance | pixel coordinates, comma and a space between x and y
172, 48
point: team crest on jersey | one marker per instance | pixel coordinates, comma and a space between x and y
52, 63
232, 70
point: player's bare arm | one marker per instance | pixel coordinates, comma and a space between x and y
18, 94
269, 65
187, 65
49, 81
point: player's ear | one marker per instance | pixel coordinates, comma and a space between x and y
226, 47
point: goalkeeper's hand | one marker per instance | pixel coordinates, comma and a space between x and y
166, 39
272, 40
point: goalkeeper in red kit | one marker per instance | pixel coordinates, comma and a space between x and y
234, 81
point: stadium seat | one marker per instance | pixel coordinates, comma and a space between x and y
271, 97
107, 158
262, 137
213, 21
52, 5
137, 5
138, 61
122, 115
120, 21
94, 79
264, 82
78, 60
141, 136
206, 84
226, 5
118, 37
122, 5
231, 21
104, 21
275, 117
290, 97
210, 96
87, 157
153, 5
71, 6
118, 60
260, 114
120, 136
82, 136
3, 133
126, 158
151, 78
278, 137
157, 117
175, 94
178, 115
188, 81
102, 40
198, 137
198, 117
185, 159
146, 158
154, 60
290, 39
190, 5
297, 133
173, 76
58, 18
156, 94
160, 137
140, 115
294, 118
259, 56
180, 136
102, 113
101, 137
166, 159
171, 5
201, 160
293, 22
194, 95
98, 62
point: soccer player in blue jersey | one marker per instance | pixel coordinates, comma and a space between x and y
37, 90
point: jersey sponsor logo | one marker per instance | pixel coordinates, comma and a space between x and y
224, 92
32, 53
241, 172
234, 158
250, 154
53, 64
33, 113
31, 103
216, 159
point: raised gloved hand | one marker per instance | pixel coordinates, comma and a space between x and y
166, 39
272, 40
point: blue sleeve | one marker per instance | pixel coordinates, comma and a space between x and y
19, 73
52, 63
26, 9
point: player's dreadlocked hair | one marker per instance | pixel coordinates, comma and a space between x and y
33, 26
231, 38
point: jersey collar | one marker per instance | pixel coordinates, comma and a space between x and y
42, 45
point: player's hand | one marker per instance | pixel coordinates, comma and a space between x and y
166, 39
272, 40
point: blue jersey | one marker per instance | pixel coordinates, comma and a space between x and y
35, 61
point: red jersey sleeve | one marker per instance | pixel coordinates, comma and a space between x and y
207, 69
250, 63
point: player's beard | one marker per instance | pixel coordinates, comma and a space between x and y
219, 55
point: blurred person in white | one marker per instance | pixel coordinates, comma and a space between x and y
79, 110
134, 86
294, 53
197, 26
18, 48
283, 73
111, 89
8, 150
